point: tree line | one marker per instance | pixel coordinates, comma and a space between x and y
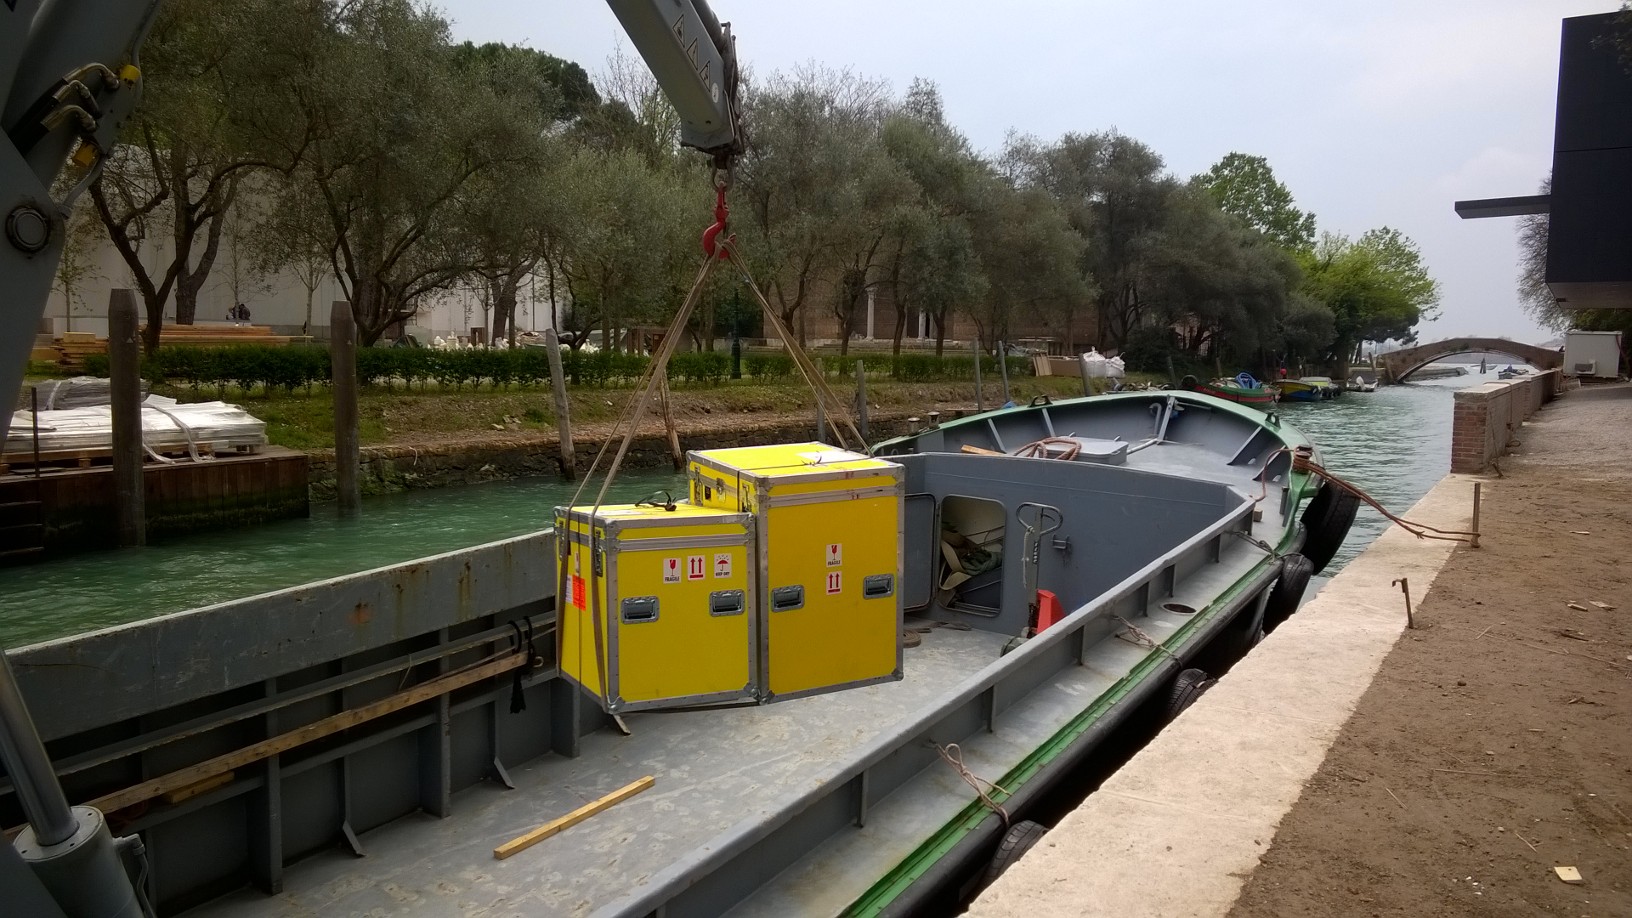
357, 140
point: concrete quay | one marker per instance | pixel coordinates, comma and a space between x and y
1342, 769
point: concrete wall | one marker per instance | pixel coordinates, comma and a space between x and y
1487, 417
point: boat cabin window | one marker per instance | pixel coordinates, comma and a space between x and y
971, 565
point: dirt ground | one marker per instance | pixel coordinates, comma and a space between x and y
1496, 742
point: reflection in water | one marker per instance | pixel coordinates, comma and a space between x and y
1394, 442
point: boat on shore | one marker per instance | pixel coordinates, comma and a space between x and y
1063, 563
1244, 389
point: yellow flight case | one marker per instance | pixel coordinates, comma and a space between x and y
828, 525
657, 610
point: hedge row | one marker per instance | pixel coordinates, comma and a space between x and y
304, 366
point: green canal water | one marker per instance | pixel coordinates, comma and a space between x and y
1395, 443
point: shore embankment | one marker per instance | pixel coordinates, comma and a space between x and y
1352, 766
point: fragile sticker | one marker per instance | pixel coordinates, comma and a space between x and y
722, 566
578, 591
671, 570
696, 567
835, 582
835, 554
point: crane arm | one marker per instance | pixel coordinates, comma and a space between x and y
694, 58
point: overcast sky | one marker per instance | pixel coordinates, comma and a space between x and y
1373, 113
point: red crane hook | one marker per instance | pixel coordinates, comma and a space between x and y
711, 241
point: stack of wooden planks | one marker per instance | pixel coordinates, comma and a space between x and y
72, 347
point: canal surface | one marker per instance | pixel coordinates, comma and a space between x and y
85, 592
1394, 443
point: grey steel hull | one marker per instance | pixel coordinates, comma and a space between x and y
811, 806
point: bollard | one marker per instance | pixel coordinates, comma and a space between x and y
821, 420
125, 392
343, 376
563, 416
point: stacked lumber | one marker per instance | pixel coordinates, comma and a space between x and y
83, 435
69, 350
73, 347
220, 335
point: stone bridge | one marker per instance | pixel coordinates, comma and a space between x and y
1399, 365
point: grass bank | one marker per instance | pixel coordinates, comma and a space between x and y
306, 422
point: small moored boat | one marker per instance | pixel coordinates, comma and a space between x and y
1244, 389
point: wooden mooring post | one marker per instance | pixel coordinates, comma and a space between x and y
343, 376
563, 414
125, 392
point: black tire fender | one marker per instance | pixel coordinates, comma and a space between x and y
1287, 591
1326, 523
1021, 837
1188, 685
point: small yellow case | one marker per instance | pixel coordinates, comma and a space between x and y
672, 592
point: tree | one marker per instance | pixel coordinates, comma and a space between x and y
289, 235
1031, 258
1221, 286
1112, 189
178, 175
394, 135
1245, 186
1400, 258
811, 175
1535, 298
932, 265
1377, 288
78, 263
510, 210
623, 235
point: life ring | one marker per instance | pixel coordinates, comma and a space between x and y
1284, 596
1326, 523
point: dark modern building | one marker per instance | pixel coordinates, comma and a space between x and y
1589, 248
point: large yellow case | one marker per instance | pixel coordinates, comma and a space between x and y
672, 589
829, 532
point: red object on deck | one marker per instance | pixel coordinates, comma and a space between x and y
1048, 610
